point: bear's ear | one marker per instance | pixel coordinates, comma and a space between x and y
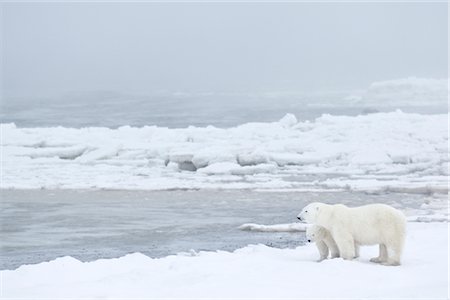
317, 208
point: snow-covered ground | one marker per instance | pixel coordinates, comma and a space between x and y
377, 152
374, 153
256, 271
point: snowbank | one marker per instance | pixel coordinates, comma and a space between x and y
251, 272
291, 227
376, 153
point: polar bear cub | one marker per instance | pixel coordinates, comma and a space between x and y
365, 225
324, 241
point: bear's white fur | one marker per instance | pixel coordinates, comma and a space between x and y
365, 225
324, 241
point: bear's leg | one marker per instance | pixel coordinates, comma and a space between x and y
382, 257
323, 250
394, 253
356, 250
345, 243
331, 244
334, 251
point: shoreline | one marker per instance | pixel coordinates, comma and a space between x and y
426, 191
254, 270
41, 225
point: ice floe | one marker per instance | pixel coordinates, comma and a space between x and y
380, 152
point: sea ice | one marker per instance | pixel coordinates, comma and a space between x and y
378, 152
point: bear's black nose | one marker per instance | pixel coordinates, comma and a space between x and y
309, 241
299, 218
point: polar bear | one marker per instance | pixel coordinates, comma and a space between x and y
365, 225
325, 242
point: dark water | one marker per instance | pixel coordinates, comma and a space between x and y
41, 225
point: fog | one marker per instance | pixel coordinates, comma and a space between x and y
49, 49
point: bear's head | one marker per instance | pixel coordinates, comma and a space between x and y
310, 212
315, 233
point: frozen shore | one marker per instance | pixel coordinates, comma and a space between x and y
255, 271
41, 225
382, 152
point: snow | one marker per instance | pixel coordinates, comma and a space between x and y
256, 271
378, 152
291, 227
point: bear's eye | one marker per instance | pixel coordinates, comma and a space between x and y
306, 211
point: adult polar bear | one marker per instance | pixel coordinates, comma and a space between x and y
365, 225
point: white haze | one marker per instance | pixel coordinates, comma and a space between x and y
49, 49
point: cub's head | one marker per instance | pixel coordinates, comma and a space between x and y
315, 233
310, 212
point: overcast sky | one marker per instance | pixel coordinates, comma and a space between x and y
50, 48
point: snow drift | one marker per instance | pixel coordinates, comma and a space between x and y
252, 272
378, 152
